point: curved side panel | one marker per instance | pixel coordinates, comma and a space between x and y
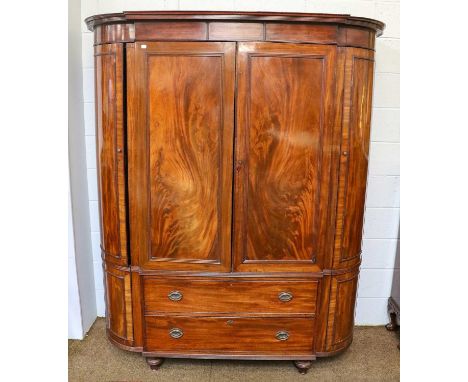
356, 118
110, 146
119, 305
121, 344
341, 311
114, 33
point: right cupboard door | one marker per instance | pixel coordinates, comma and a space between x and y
284, 156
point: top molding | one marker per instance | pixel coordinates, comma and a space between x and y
306, 18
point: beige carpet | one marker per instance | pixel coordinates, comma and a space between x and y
373, 356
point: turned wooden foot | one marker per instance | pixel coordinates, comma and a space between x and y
392, 325
154, 363
303, 366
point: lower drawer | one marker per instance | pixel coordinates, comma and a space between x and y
229, 335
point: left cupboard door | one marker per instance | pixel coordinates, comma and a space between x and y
110, 147
180, 103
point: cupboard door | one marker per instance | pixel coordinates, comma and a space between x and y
110, 161
359, 75
180, 140
284, 149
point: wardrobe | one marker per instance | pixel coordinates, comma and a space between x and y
232, 154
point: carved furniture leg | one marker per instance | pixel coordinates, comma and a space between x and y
154, 363
303, 366
392, 325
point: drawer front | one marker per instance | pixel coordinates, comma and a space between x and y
229, 296
252, 335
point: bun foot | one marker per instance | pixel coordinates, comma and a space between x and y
154, 363
303, 366
392, 325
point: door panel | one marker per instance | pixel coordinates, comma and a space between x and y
110, 161
284, 145
359, 72
183, 120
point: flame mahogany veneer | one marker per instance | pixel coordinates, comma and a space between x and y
232, 153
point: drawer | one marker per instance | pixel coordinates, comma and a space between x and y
229, 335
229, 296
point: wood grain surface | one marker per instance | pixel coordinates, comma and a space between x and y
238, 296
185, 160
186, 92
171, 31
114, 33
230, 31
357, 104
283, 130
266, 142
110, 157
230, 335
119, 303
341, 310
321, 34
316, 19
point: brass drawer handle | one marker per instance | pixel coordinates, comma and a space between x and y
176, 333
285, 296
175, 295
282, 335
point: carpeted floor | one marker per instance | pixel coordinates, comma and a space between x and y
373, 356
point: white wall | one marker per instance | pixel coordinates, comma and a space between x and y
82, 301
381, 231
75, 326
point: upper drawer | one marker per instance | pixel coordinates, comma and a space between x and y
229, 296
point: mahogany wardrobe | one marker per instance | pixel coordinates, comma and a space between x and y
232, 153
